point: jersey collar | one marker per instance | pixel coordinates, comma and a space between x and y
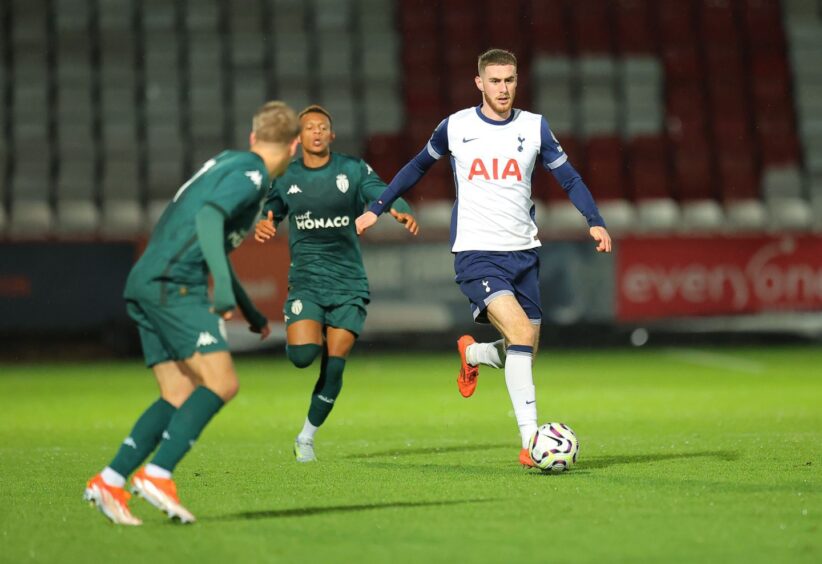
483, 117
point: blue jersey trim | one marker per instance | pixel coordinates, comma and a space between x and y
483, 117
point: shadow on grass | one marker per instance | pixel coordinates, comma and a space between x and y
309, 511
428, 450
597, 462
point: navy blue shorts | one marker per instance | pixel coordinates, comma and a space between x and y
485, 275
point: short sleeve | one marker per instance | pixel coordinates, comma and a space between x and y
437, 146
550, 151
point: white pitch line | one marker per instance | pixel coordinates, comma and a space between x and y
717, 360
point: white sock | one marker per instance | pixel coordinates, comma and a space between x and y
520, 383
485, 353
113, 478
156, 472
308, 431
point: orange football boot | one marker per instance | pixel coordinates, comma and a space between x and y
110, 500
162, 494
525, 459
467, 380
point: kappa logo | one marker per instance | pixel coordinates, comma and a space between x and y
205, 339
255, 177
485, 285
130, 442
342, 183
368, 166
166, 436
325, 399
294, 190
297, 307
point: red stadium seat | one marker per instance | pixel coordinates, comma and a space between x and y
692, 169
675, 23
549, 27
386, 153
605, 170
717, 23
648, 168
682, 64
763, 24
777, 139
739, 178
634, 28
591, 27
503, 28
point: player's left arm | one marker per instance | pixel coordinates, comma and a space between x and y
555, 160
257, 322
372, 187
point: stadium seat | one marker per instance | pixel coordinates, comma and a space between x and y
634, 28
718, 23
591, 27
561, 217
604, 168
789, 214
657, 215
701, 215
675, 23
745, 215
782, 182
77, 217
692, 166
738, 175
383, 108
620, 215
549, 28
30, 219
434, 215
122, 218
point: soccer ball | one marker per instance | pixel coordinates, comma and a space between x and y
554, 447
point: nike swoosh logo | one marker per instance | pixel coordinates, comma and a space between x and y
530, 402
464, 140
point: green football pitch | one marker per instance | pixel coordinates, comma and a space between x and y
710, 455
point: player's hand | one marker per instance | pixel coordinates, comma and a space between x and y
264, 331
225, 315
365, 221
600, 235
265, 230
407, 219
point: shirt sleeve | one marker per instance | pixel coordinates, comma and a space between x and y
555, 160
275, 202
236, 191
411, 173
372, 186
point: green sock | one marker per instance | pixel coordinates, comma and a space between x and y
326, 390
186, 425
143, 438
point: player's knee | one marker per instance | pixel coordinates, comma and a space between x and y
302, 356
228, 389
523, 334
176, 396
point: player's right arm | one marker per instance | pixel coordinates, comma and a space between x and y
407, 177
210, 223
274, 211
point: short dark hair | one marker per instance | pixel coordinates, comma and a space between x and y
317, 109
495, 57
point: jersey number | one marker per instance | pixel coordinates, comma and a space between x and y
208, 164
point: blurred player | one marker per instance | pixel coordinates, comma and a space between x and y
325, 311
182, 333
323, 193
493, 149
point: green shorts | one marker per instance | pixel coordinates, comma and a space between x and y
179, 327
343, 312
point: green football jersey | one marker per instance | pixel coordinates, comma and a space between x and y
234, 182
322, 205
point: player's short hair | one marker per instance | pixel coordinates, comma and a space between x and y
317, 109
275, 122
495, 57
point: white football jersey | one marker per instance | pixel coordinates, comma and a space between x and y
492, 163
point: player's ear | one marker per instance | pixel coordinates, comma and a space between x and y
292, 147
478, 82
252, 139
333, 135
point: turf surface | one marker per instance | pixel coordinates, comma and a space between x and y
686, 456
